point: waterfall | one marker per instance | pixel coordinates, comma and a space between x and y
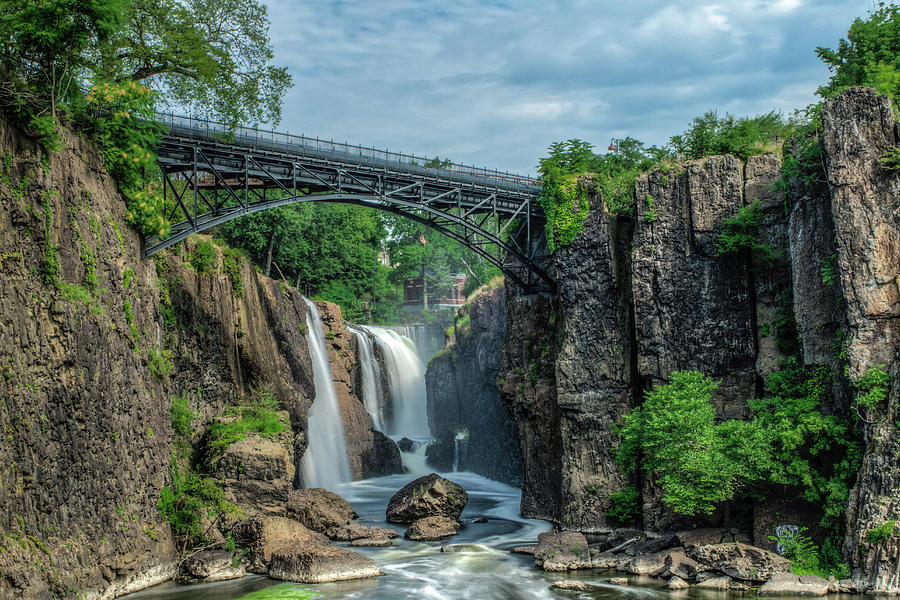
455, 454
406, 374
371, 378
325, 463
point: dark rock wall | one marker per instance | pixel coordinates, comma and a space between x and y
463, 399
84, 405
865, 207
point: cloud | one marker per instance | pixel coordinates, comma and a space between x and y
494, 82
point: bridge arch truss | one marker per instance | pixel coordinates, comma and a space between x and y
210, 178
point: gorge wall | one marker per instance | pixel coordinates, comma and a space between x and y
95, 341
640, 299
465, 412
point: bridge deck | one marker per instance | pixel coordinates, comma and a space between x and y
230, 172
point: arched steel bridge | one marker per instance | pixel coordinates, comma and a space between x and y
213, 174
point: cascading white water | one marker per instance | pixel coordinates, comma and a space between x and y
325, 463
371, 378
407, 378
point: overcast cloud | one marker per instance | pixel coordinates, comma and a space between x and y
495, 82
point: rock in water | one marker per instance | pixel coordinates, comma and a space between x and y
405, 444
677, 583
742, 561
562, 551
429, 529
315, 563
210, 565
428, 496
263, 535
325, 512
572, 584
788, 584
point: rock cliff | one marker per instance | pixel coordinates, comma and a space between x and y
465, 413
96, 341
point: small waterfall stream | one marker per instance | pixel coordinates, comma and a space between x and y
325, 463
371, 378
406, 374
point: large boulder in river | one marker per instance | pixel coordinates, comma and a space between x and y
429, 529
325, 512
563, 551
264, 535
315, 563
741, 561
428, 496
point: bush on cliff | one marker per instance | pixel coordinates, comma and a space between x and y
789, 441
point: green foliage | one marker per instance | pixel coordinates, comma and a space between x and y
807, 559
674, 430
881, 533
187, 500
160, 362
563, 199
257, 415
741, 232
181, 415
700, 463
231, 264
211, 57
624, 505
870, 55
204, 258
650, 215
829, 268
890, 159
50, 265
873, 387
741, 137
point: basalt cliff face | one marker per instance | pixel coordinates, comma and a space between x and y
640, 299
471, 425
95, 340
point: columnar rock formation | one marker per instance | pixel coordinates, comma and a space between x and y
634, 305
96, 340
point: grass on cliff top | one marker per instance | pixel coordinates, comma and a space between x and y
258, 415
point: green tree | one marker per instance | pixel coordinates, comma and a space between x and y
210, 57
44, 53
870, 54
741, 137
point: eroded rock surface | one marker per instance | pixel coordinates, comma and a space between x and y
434, 528
427, 496
314, 563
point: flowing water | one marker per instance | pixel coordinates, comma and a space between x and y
406, 374
325, 463
371, 378
480, 565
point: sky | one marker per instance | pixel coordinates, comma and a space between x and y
494, 82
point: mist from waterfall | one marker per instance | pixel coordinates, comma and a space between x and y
325, 463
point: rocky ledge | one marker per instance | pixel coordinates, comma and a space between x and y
703, 558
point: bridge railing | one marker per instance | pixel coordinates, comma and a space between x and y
268, 137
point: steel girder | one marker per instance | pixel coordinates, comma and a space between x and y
222, 181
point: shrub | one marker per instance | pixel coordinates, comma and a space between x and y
258, 415
873, 386
741, 232
187, 500
203, 257
160, 362
624, 505
182, 416
881, 533
807, 559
